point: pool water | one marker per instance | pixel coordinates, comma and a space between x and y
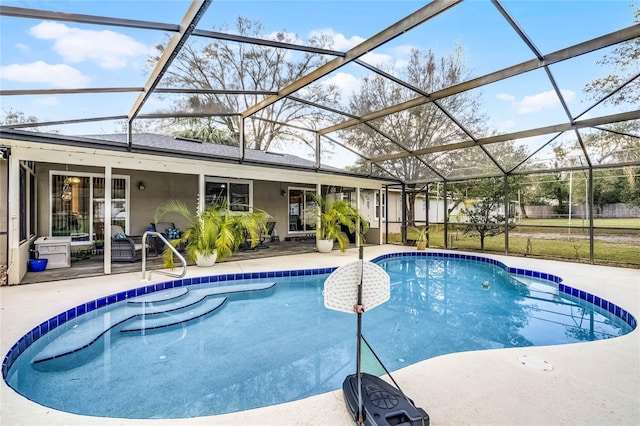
281, 344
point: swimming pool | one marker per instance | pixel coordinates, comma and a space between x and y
438, 304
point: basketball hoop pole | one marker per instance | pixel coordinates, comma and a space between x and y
351, 288
359, 420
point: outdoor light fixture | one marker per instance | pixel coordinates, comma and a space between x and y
4, 153
141, 186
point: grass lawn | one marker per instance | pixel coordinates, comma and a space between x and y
576, 250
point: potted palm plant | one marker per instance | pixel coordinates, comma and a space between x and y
332, 218
214, 233
421, 235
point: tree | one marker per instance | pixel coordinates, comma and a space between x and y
418, 127
231, 66
615, 143
482, 210
625, 59
11, 116
555, 187
204, 129
621, 141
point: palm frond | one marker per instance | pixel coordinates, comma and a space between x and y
215, 229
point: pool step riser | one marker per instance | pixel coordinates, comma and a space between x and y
162, 323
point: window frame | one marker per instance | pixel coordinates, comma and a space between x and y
304, 214
27, 200
228, 182
380, 206
90, 214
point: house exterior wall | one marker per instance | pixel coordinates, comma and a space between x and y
159, 187
164, 177
435, 207
268, 196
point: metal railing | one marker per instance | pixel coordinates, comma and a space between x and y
147, 277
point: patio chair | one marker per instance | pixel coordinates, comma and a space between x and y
264, 237
267, 236
125, 248
168, 231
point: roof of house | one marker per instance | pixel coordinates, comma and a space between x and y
191, 146
171, 146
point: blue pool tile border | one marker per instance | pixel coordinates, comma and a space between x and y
54, 322
562, 288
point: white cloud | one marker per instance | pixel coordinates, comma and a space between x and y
59, 75
340, 42
22, 47
403, 50
347, 84
538, 102
109, 49
378, 59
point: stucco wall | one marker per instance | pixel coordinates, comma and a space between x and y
159, 187
268, 196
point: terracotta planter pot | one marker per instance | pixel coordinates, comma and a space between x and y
421, 245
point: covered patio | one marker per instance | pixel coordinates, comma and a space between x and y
93, 265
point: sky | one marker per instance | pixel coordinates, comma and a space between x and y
36, 54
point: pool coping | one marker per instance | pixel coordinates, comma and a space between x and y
622, 296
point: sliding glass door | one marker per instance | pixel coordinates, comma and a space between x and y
302, 210
77, 204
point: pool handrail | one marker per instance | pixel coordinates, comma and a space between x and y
147, 277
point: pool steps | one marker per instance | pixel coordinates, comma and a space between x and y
152, 311
152, 322
160, 296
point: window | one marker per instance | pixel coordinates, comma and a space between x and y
77, 204
119, 212
32, 202
237, 193
381, 208
23, 204
301, 210
27, 199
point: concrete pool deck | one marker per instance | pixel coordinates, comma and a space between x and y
591, 383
